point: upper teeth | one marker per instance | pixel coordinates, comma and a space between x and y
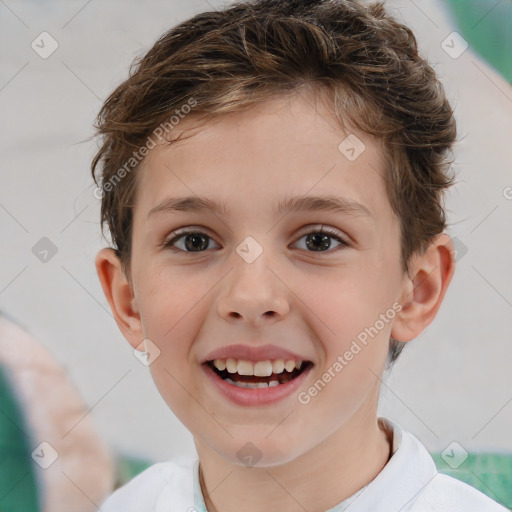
259, 369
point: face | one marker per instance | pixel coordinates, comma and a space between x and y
258, 282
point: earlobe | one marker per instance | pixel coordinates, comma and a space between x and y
430, 274
119, 295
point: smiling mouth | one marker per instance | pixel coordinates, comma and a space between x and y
255, 381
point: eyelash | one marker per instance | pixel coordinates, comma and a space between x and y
181, 233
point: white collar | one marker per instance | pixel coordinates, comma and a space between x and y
409, 470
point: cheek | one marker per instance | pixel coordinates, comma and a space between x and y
344, 311
172, 318
179, 391
169, 300
171, 315
341, 303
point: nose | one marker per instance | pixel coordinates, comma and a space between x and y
253, 294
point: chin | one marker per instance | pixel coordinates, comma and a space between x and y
260, 452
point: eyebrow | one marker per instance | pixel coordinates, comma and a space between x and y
287, 205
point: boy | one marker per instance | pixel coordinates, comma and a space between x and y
272, 179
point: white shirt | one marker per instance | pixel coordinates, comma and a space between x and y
409, 482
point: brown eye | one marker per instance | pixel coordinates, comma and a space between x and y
191, 241
321, 240
318, 241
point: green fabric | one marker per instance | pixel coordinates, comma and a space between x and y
489, 473
487, 26
18, 490
128, 467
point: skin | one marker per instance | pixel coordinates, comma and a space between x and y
312, 456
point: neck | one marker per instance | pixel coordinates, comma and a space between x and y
316, 481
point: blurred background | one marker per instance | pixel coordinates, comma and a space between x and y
452, 387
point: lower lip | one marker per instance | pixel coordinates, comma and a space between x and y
258, 396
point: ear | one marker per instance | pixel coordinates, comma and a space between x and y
119, 293
425, 284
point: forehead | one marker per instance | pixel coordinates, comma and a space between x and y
291, 145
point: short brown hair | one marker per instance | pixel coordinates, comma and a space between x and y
359, 59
